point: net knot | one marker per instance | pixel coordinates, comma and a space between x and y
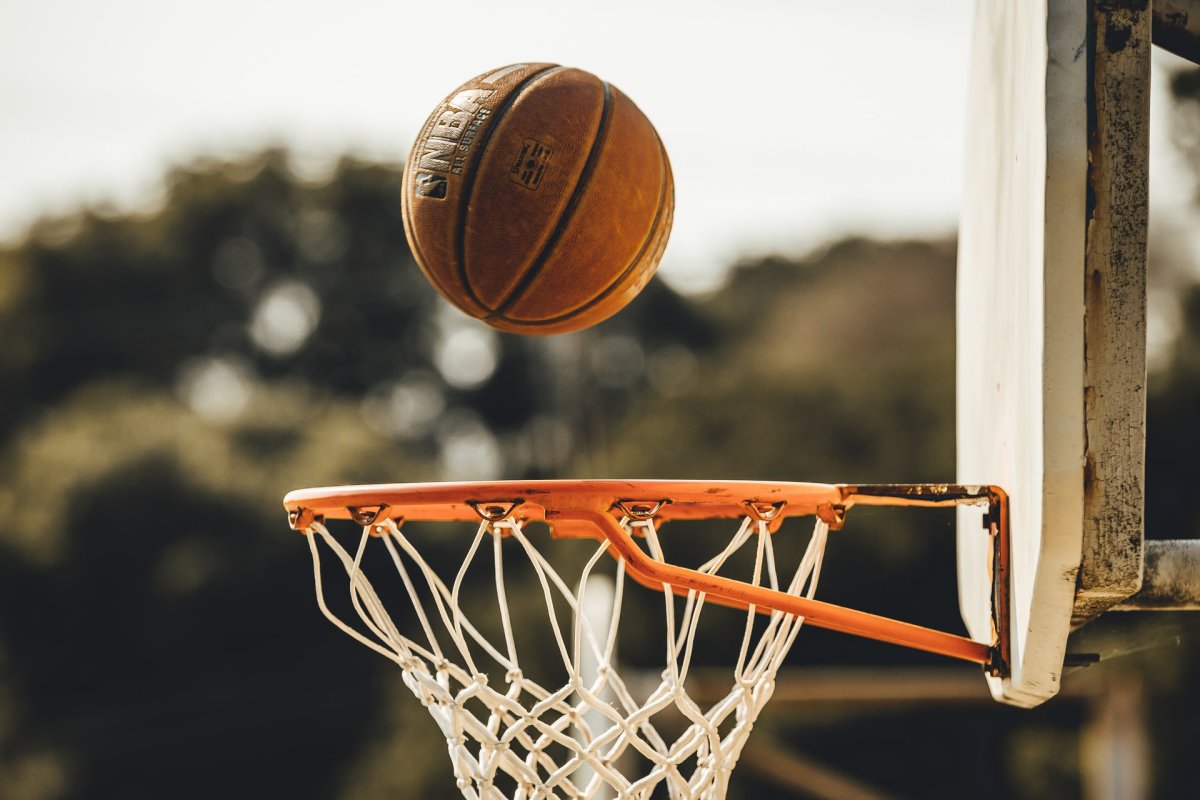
513, 676
639, 523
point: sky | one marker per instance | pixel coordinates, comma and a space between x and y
788, 124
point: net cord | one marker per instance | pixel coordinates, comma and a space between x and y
524, 729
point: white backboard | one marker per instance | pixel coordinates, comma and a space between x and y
1036, 359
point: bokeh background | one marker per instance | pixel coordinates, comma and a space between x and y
206, 300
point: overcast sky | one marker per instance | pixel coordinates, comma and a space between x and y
787, 123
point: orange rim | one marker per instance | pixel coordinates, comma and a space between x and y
592, 508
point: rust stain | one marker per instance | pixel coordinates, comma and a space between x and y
1117, 38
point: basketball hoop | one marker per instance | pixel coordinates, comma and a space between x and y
592, 734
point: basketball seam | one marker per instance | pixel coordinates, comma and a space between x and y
471, 175
651, 236
568, 213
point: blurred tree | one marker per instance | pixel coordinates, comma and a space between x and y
248, 266
152, 596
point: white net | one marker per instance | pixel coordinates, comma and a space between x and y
591, 734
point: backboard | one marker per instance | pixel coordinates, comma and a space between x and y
1051, 319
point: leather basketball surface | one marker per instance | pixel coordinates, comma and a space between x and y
538, 198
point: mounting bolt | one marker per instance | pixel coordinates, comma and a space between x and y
640, 510
367, 515
492, 512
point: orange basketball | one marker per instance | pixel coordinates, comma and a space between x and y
538, 199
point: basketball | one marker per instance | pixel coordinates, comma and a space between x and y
538, 198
